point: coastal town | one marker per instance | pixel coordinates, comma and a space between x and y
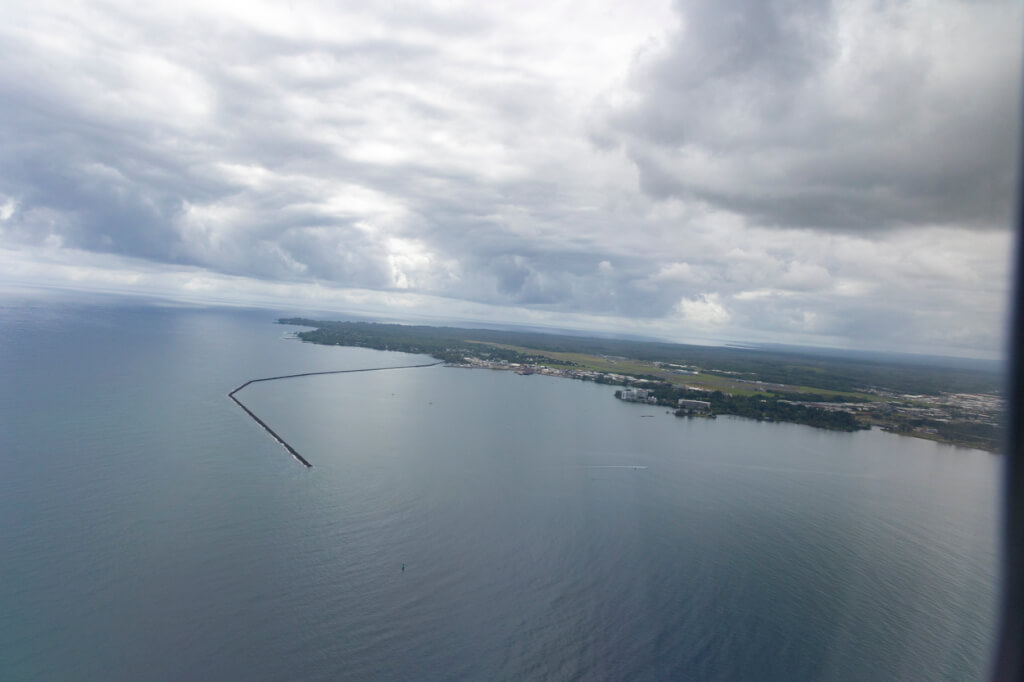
924, 416
958, 405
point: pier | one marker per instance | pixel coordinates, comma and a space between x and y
292, 451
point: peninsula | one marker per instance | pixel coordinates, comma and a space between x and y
956, 402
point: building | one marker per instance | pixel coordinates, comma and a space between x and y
698, 406
635, 394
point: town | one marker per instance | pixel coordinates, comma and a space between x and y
949, 404
958, 418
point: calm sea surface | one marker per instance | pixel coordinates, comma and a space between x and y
150, 530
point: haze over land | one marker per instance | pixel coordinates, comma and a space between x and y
826, 174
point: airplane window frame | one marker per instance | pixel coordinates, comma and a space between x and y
1008, 661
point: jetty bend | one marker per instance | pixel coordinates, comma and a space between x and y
292, 451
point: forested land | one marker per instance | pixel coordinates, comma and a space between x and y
829, 372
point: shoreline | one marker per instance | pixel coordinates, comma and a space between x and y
950, 410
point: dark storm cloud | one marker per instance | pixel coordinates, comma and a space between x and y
843, 116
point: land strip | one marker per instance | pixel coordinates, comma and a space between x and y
951, 401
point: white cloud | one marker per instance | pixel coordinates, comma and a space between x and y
7, 209
704, 311
676, 272
816, 176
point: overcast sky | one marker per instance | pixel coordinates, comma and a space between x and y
796, 171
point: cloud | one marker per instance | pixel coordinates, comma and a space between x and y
840, 116
703, 311
794, 171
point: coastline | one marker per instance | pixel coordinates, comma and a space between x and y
952, 407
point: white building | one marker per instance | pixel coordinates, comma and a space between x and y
637, 395
694, 405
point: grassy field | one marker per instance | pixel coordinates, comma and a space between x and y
710, 382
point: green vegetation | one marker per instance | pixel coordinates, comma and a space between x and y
706, 380
808, 371
983, 436
770, 408
770, 385
730, 368
443, 343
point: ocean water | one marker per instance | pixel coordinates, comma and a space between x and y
150, 530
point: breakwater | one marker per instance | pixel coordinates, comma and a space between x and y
292, 451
